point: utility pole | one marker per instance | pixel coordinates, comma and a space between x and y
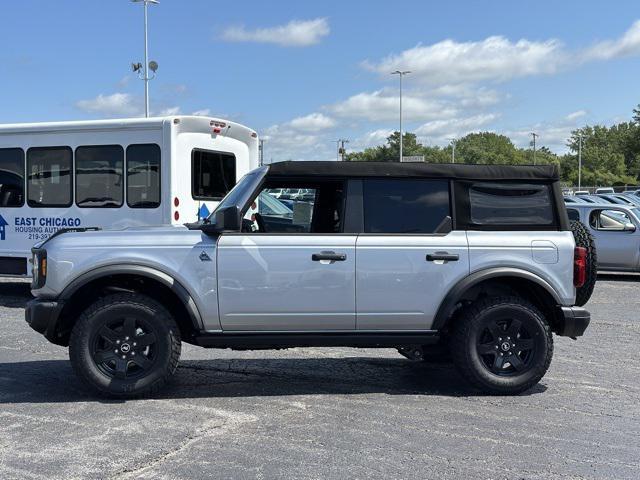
534, 135
401, 74
453, 149
341, 150
147, 65
579, 160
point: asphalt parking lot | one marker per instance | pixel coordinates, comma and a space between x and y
328, 413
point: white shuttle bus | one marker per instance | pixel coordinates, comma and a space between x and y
113, 174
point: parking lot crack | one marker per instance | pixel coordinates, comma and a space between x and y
212, 428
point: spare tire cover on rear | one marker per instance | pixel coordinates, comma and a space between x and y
584, 239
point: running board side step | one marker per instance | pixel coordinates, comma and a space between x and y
257, 340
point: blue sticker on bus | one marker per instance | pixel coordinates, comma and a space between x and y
3, 224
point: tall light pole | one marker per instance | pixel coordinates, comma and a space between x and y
147, 65
579, 161
401, 74
261, 151
453, 150
534, 135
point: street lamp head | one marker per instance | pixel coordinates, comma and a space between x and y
136, 67
153, 66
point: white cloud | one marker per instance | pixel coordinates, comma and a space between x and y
455, 127
312, 122
553, 134
495, 58
498, 59
384, 105
628, 44
124, 81
205, 112
115, 105
371, 139
169, 111
296, 33
575, 115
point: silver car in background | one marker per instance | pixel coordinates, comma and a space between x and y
616, 230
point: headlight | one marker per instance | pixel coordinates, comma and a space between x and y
39, 267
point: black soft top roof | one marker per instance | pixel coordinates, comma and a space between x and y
415, 169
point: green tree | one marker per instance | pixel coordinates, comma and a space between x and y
488, 148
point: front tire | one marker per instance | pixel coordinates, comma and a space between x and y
502, 346
125, 345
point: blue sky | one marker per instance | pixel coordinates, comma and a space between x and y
307, 73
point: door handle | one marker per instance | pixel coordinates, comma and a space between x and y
331, 256
445, 256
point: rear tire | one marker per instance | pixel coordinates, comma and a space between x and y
501, 345
584, 239
125, 345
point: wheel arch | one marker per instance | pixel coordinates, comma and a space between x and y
89, 286
526, 283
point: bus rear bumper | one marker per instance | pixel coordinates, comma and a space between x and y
42, 316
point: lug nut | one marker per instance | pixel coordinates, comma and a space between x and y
124, 357
135, 344
118, 342
115, 351
126, 338
133, 354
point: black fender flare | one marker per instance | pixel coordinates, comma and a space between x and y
453, 297
141, 270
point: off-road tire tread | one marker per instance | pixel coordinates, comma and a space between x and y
81, 328
583, 238
461, 354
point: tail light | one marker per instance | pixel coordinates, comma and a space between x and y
579, 266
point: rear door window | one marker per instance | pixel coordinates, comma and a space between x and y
405, 205
143, 176
511, 204
214, 174
11, 177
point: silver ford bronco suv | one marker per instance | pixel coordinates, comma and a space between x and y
478, 265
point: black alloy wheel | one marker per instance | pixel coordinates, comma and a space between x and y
506, 346
124, 348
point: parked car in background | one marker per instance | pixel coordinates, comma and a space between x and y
582, 192
573, 199
605, 190
635, 199
615, 198
615, 229
593, 199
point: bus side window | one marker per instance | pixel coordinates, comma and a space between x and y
49, 177
11, 177
213, 174
99, 176
143, 176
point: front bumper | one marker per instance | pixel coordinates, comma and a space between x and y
573, 322
42, 316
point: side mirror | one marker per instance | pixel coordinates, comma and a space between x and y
228, 219
629, 227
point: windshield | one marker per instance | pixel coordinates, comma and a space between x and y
239, 195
